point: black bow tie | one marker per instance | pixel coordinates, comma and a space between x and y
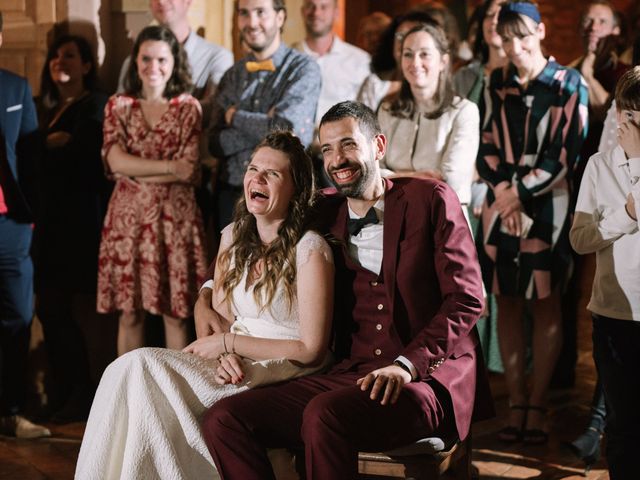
354, 225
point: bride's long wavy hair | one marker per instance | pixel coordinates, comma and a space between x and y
279, 256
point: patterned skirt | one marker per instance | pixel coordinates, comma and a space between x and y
152, 252
532, 267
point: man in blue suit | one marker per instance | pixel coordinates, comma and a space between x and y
18, 148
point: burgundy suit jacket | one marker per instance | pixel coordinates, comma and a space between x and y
432, 277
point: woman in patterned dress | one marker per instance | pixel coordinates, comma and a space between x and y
527, 154
152, 255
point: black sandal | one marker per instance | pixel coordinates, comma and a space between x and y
535, 436
510, 433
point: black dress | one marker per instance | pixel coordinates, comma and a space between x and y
73, 195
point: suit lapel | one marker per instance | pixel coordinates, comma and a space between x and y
395, 205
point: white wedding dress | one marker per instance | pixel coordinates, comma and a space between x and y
145, 418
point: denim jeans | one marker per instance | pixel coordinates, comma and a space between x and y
616, 351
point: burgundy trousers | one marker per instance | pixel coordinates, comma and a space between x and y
326, 416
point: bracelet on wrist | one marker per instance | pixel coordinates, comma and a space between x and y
233, 343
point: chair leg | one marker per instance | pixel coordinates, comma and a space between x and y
461, 466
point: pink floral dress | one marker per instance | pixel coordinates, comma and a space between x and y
152, 254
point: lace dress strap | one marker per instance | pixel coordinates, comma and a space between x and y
309, 243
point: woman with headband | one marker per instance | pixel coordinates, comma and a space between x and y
528, 151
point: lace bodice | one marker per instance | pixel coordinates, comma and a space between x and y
276, 321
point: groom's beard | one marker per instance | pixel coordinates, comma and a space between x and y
357, 187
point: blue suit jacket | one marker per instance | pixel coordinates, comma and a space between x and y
19, 132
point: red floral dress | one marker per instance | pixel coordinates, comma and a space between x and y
152, 254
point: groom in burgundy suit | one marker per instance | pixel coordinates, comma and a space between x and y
408, 294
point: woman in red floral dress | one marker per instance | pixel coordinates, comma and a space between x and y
152, 255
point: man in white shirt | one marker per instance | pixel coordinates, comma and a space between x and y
208, 61
606, 222
344, 66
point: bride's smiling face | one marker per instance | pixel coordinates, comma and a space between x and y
268, 185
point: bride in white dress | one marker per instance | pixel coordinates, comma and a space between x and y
273, 288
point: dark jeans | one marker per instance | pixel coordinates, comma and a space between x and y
598, 409
616, 351
16, 312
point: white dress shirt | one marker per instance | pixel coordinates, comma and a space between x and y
366, 248
344, 68
609, 136
602, 225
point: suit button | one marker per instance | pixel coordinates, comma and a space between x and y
380, 306
379, 326
374, 284
377, 351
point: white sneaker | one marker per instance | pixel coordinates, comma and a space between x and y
19, 427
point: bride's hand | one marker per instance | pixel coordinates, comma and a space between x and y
210, 347
230, 369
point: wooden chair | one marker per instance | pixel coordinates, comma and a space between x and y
426, 459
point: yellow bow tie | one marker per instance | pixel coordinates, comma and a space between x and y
257, 66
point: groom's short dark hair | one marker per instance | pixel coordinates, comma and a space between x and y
367, 120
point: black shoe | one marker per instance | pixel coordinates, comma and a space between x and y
511, 433
587, 447
535, 436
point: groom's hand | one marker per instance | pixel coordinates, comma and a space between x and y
387, 381
206, 319
209, 347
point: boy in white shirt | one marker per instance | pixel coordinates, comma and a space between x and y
606, 222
